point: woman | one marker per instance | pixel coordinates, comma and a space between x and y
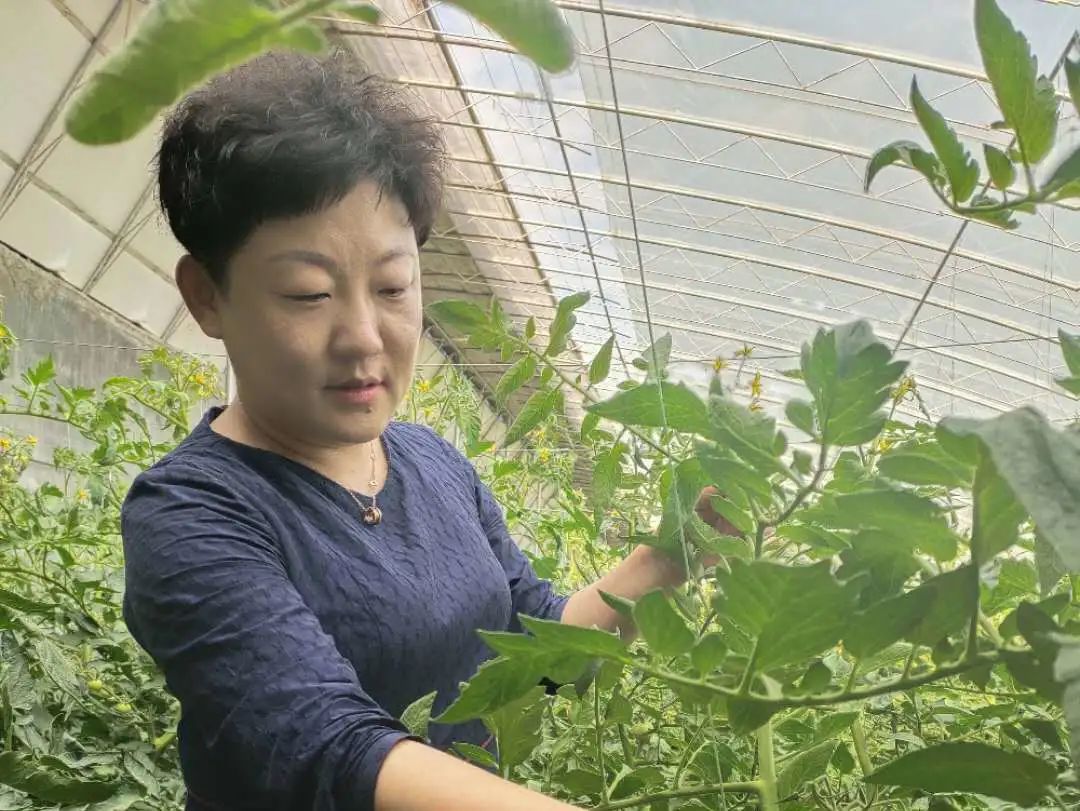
301, 567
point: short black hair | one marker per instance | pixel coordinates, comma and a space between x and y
288, 134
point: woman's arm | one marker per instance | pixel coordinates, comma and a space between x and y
643, 570
415, 777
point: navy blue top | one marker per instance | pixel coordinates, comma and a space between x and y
293, 634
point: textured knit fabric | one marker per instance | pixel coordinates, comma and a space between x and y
293, 634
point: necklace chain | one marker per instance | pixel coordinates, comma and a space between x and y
370, 515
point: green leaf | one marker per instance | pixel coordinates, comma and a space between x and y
997, 513
563, 323
986, 209
1040, 464
55, 665
1072, 78
417, 715
496, 683
475, 754
541, 405
661, 625
794, 612
926, 464
655, 359
641, 406
906, 153
1002, 170
887, 622
25, 605
1066, 671
899, 513
516, 376
731, 475
744, 716
620, 605
177, 45
517, 728
804, 768
801, 414
750, 434
1028, 101
960, 167
850, 373
464, 316
534, 27
708, 653
557, 638
601, 364
42, 373
530, 329
953, 599
970, 767
1064, 175
589, 424
364, 12
50, 785
816, 678
607, 475
1048, 564
1070, 349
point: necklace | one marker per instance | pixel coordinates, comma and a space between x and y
370, 515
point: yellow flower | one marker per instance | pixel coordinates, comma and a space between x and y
423, 386
755, 385
5, 443
755, 406
545, 455
719, 365
31, 440
199, 379
83, 495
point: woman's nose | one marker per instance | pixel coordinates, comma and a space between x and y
358, 331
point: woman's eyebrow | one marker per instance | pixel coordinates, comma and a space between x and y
307, 257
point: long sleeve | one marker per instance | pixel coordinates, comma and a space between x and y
530, 595
274, 706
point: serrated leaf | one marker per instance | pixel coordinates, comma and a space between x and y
516, 376
1048, 564
496, 683
1064, 175
749, 434
1066, 671
42, 373
601, 364
850, 374
55, 665
996, 514
730, 475
886, 622
177, 45
926, 464
801, 414
456, 314
1040, 464
417, 715
794, 612
654, 360
1002, 170
537, 408
557, 638
50, 785
516, 727
970, 767
906, 153
1027, 101
476, 754
953, 598
534, 27
563, 323
607, 475
986, 209
744, 716
803, 768
960, 167
683, 409
661, 626
899, 513
708, 652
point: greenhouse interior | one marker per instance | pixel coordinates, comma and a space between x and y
719, 448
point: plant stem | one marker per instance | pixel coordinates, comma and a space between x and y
750, 787
767, 764
976, 614
599, 737
862, 752
828, 699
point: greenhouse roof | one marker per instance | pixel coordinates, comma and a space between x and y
699, 171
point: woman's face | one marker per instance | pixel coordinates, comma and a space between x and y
322, 319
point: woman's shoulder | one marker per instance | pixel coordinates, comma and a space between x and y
416, 440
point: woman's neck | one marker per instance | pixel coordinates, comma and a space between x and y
348, 465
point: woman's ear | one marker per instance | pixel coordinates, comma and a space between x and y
201, 295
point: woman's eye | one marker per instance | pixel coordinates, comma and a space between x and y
310, 297
393, 292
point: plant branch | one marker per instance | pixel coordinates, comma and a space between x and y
750, 787
767, 764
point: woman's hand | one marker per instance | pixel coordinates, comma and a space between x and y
707, 513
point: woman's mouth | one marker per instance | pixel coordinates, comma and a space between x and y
358, 392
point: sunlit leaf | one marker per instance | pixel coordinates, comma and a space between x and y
1027, 100
1064, 174
684, 410
517, 728
541, 405
795, 612
558, 637
906, 153
178, 44
1002, 170
563, 323
1072, 78
967, 766
601, 364
894, 512
516, 376
534, 27
417, 715
960, 167
926, 464
661, 625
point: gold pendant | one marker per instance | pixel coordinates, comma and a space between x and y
372, 516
